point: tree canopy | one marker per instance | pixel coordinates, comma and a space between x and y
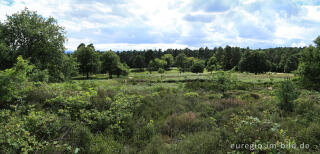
39, 39
254, 62
87, 58
309, 66
111, 64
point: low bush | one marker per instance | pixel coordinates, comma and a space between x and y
181, 123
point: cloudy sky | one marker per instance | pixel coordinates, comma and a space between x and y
150, 24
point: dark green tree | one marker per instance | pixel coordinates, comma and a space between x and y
121, 69
39, 39
198, 66
6, 60
213, 64
188, 64
169, 59
139, 61
180, 61
157, 63
87, 58
111, 64
254, 62
309, 66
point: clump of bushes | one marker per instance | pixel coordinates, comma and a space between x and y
226, 103
181, 123
286, 95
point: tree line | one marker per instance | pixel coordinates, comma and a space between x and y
282, 59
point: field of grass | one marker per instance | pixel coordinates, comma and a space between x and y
143, 113
175, 76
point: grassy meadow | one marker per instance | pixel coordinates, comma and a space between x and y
184, 113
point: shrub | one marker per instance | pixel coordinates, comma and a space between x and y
156, 145
202, 142
197, 67
161, 70
143, 134
310, 135
309, 66
286, 95
13, 82
88, 142
223, 104
181, 123
252, 130
39, 75
222, 81
191, 94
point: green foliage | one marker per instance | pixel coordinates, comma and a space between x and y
180, 61
252, 130
310, 135
202, 142
191, 94
91, 143
229, 57
181, 123
122, 69
161, 70
37, 38
169, 59
13, 82
222, 81
157, 63
15, 138
286, 95
213, 64
309, 67
197, 67
139, 61
88, 58
188, 64
39, 75
70, 67
288, 63
111, 64
254, 62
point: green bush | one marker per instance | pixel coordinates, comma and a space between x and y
309, 66
286, 95
222, 81
202, 142
39, 75
161, 70
310, 135
181, 123
252, 130
14, 82
197, 67
88, 142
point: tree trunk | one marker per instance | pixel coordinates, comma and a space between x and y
110, 75
87, 75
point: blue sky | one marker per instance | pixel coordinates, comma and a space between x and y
154, 24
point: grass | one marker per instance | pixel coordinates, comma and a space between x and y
174, 116
175, 76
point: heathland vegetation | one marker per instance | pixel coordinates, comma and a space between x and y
220, 100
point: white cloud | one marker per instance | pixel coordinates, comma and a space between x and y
300, 44
126, 46
139, 24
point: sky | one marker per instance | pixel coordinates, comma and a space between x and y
154, 24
